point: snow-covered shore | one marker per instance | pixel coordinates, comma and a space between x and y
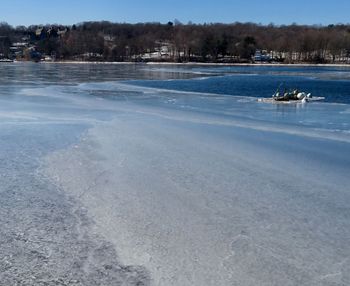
196, 64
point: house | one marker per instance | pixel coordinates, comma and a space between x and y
40, 33
62, 31
17, 49
262, 56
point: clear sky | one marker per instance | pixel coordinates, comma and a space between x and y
26, 12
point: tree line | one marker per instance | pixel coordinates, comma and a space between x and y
237, 42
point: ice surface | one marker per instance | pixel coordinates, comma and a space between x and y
192, 188
221, 196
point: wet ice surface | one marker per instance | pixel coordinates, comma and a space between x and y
189, 188
46, 239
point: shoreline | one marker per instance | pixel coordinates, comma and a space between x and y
190, 64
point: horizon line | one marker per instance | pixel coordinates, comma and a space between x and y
177, 22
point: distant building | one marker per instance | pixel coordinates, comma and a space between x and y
162, 51
17, 49
262, 56
62, 31
38, 31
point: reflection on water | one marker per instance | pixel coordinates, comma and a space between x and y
51, 73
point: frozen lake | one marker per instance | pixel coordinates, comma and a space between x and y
173, 175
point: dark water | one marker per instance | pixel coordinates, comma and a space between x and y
331, 83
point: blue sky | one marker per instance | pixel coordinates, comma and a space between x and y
26, 12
